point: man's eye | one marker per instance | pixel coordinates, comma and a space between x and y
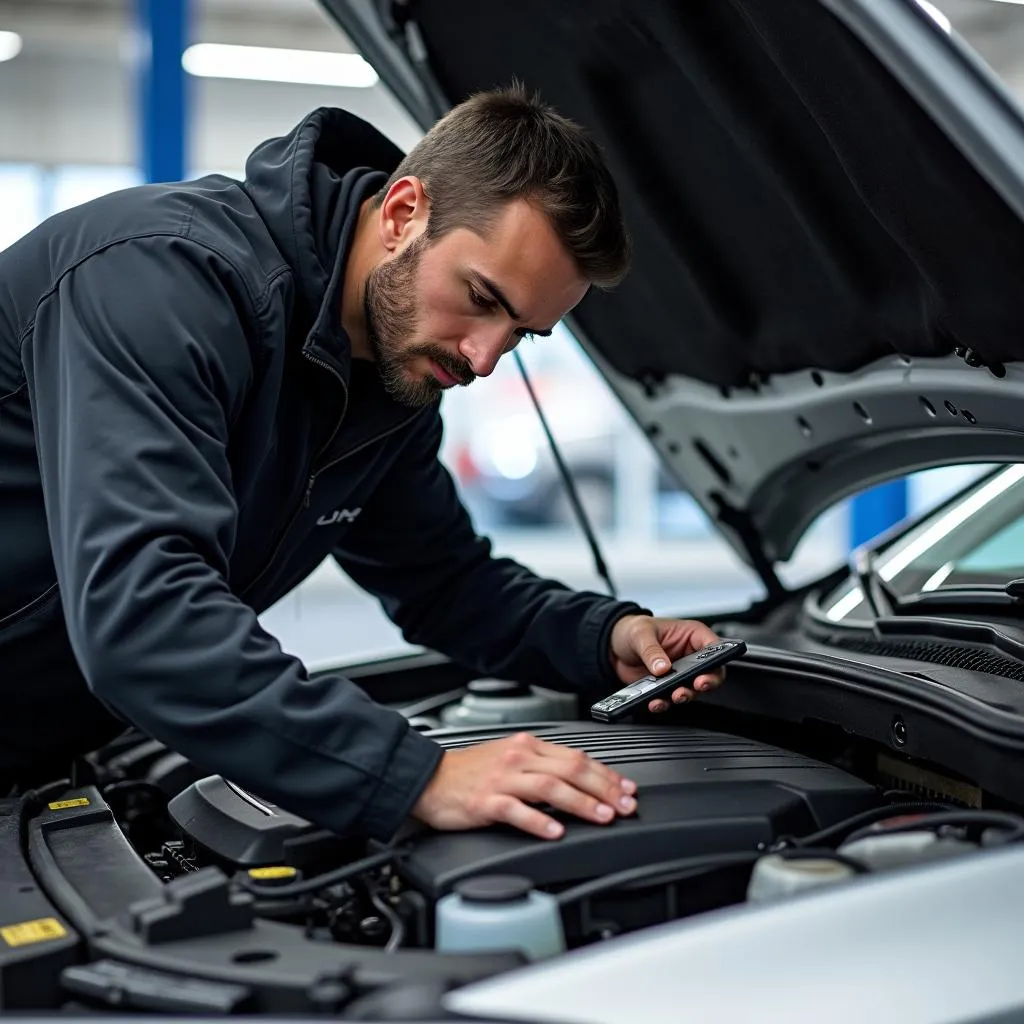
479, 300
525, 335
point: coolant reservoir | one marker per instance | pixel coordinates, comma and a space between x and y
500, 702
499, 912
775, 877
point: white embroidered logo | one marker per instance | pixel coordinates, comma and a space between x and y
341, 515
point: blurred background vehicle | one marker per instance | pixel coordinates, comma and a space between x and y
504, 462
497, 449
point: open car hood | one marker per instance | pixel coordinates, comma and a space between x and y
826, 199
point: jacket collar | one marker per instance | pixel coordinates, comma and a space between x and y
307, 187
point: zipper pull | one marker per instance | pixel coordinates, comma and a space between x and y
309, 490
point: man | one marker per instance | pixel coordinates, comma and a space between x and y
194, 377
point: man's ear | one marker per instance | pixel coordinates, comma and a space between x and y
403, 214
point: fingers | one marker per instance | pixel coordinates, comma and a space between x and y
541, 788
680, 696
701, 635
711, 681
648, 647
585, 774
497, 782
702, 684
566, 779
512, 811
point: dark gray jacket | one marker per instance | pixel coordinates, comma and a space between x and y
177, 430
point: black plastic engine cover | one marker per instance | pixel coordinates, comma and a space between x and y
699, 792
234, 826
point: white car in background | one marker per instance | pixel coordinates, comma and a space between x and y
496, 446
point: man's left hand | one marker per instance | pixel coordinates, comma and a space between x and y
642, 645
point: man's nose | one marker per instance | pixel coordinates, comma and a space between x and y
484, 348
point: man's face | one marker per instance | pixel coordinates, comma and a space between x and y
442, 313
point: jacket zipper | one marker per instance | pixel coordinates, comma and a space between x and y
341, 458
312, 475
315, 470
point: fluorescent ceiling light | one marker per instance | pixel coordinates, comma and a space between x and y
10, 45
266, 64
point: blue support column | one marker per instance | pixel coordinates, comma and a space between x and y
163, 103
874, 511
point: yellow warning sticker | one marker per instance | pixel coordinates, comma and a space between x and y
262, 874
63, 805
24, 934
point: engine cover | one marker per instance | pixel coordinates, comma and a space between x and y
700, 792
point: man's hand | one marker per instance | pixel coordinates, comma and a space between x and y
497, 781
642, 645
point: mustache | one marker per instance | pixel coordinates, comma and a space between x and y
457, 368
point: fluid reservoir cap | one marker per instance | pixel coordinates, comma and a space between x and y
498, 688
494, 888
278, 874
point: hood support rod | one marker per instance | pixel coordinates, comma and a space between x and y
742, 525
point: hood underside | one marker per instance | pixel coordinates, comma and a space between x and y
826, 205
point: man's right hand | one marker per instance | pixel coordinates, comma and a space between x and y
497, 782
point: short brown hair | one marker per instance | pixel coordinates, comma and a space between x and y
503, 145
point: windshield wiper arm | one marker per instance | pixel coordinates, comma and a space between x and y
982, 596
966, 596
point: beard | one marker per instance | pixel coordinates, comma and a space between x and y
389, 307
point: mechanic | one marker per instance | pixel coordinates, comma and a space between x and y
207, 387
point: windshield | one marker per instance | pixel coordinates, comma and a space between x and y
977, 538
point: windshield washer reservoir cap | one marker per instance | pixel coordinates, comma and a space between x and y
494, 888
498, 688
277, 874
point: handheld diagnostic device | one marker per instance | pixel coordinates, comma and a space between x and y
623, 702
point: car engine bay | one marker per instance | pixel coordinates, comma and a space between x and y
146, 885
